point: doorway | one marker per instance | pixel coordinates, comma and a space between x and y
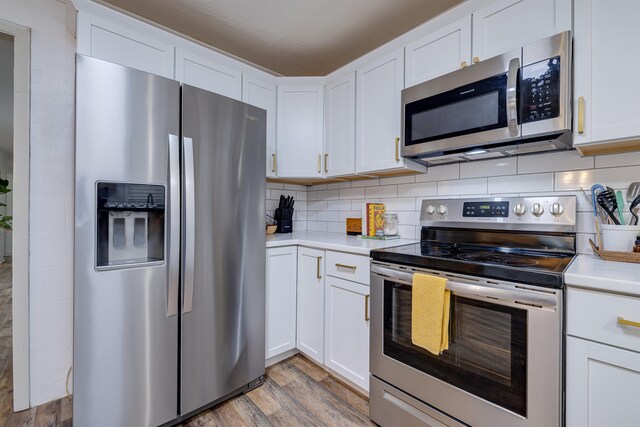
15, 42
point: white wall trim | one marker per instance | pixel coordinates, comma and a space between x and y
20, 241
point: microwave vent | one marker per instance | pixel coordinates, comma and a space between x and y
533, 149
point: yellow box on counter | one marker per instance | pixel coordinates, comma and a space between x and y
354, 226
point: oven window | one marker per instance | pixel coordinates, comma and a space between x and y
487, 347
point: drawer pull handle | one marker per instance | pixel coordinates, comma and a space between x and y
366, 308
625, 322
350, 267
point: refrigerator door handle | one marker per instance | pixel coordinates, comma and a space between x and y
173, 243
189, 225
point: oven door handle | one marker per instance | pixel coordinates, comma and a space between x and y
512, 295
512, 100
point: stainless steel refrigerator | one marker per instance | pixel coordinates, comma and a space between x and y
169, 287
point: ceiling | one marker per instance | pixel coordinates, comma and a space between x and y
290, 37
6, 94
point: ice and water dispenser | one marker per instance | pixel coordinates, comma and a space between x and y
130, 219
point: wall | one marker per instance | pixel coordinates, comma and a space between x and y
51, 203
298, 192
553, 173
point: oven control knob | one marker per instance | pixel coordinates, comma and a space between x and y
442, 209
519, 209
537, 209
556, 209
430, 209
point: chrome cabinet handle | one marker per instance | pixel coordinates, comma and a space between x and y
581, 115
318, 276
189, 224
625, 322
274, 163
350, 267
397, 149
512, 101
366, 308
173, 240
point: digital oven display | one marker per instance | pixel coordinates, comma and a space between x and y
486, 209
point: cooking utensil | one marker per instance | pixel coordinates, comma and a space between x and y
620, 201
632, 208
607, 200
633, 191
594, 203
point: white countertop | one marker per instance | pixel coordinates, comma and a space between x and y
590, 272
333, 242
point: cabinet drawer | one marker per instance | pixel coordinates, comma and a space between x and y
348, 266
594, 315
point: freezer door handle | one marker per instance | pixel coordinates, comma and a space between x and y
189, 225
173, 242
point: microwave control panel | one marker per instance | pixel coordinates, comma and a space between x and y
540, 90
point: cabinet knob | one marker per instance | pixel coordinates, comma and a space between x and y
476, 59
463, 64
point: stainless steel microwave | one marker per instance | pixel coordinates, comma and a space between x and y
515, 103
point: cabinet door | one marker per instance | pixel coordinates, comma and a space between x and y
510, 24
300, 128
347, 330
438, 53
311, 303
378, 90
202, 72
606, 86
340, 142
282, 265
603, 385
263, 95
104, 40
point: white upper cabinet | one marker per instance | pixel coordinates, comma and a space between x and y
263, 95
340, 126
439, 52
300, 131
105, 40
205, 73
509, 24
378, 90
606, 85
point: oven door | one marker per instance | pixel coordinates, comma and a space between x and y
503, 365
470, 108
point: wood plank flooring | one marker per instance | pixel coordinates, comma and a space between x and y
296, 393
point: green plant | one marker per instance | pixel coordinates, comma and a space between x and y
5, 220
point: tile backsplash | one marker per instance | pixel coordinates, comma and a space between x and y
326, 207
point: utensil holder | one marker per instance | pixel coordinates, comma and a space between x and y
619, 237
284, 217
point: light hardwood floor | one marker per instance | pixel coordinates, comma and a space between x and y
296, 393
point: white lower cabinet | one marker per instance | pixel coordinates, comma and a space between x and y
347, 330
310, 340
281, 300
603, 385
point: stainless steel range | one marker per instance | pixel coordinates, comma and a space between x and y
504, 259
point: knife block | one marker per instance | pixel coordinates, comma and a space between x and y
284, 218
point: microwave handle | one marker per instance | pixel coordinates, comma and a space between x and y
512, 100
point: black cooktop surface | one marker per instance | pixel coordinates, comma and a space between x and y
529, 267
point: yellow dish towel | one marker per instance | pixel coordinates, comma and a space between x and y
430, 313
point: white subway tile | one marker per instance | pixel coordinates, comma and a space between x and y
295, 187
585, 222
350, 214
400, 204
614, 160
275, 185
328, 216
398, 180
493, 167
301, 195
312, 216
552, 162
301, 215
382, 191
329, 195
356, 205
582, 243
520, 183
440, 173
312, 195
407, 231
365, 183
336, 227
619, 177
317, 205
339, 205
352, 193
316, 226
300, 205
462, 187
338, 185
419, 189
318, 187
409, 218
299, 225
